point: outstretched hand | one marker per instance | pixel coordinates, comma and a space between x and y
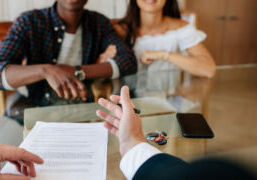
22, 159
125, 123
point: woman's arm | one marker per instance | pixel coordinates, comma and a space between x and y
199, 62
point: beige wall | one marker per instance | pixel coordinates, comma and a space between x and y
10, 9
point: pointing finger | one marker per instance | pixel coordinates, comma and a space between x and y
125, 100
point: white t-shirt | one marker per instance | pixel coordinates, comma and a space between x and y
71, 49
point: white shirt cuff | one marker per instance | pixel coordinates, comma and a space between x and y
136, 157
5, 83
115, 69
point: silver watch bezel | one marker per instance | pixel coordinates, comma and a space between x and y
80, 74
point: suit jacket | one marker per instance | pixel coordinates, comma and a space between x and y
164, 167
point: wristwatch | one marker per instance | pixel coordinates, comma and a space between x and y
79, 73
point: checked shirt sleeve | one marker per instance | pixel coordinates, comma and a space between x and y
14, 46
124, 58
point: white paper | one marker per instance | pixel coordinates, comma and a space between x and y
70, 151
182, 104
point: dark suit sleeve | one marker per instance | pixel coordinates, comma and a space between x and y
125, 58
166, 167
159, 166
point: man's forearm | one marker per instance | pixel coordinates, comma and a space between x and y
97, 70
18, 75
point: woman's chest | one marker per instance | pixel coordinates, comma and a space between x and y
167, 42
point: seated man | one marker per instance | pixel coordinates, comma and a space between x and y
143, 161
61, 45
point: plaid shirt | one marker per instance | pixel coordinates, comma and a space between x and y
37, 36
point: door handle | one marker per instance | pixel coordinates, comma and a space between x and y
233, 18
222, 18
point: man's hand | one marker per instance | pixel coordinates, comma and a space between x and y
148, 57
22, 159
126, 125
61, 78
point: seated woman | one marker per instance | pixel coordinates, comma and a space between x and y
160, 39
158, 33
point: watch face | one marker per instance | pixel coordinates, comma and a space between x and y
80, 75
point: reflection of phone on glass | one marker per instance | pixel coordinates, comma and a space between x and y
194, 126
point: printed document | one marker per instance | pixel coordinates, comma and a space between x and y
71, 151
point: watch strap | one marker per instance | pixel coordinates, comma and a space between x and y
77, 68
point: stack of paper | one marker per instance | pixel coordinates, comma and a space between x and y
71, 151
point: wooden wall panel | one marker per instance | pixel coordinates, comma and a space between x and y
211, 21
240, 42
231, 28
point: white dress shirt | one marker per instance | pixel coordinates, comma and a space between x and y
136, 157
71, 54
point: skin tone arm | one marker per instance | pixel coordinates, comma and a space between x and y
199, 62
60, 77
124, 124
22, 159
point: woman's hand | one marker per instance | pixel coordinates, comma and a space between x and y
148, 57
125, 124
61, 78
22, 159
109, 53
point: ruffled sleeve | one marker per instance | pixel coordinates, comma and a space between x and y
189, 36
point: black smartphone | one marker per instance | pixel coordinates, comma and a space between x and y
194, 126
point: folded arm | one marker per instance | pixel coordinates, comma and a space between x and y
199, 62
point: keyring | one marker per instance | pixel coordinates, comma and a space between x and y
157, 137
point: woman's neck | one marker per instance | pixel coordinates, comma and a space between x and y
150, 21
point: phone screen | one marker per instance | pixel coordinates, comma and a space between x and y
194, 126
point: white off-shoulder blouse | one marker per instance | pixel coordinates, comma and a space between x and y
173, 41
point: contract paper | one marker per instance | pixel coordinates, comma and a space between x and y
71, 151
